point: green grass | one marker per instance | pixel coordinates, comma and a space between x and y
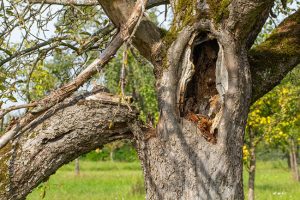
274, 181
119, 180
97, 181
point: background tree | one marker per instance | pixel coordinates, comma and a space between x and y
273, 120
285, 130
258, 126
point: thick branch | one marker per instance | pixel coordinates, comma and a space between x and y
66, 2
147, 38
85, 123
67, 90
274, 58
247, 17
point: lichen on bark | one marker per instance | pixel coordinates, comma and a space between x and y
218, 9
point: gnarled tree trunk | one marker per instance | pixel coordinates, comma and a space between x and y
204, 94
204, 83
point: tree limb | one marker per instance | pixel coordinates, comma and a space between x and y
67, 90
274, 58
84, 123
247, 17
147, 38
3, 112
150, 4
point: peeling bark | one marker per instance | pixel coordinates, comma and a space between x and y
179, 162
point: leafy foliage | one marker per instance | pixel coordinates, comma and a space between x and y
275, 118
140, 83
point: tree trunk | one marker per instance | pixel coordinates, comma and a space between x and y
293, 160
288, 157
111, 155
252, 167
77, 167
204, 95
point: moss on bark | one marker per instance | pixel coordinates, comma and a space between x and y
218, 9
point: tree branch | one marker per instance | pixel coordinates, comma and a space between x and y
84, 123
147, 38
3, 112
67, 90
33, 48
150, 4
66, 2
247, 17
274, 58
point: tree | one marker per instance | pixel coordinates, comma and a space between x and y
285, 129
256, 130
207, 75
261, 120
274, 120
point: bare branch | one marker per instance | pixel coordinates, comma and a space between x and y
66, 2
31, 49
150, 4
3, 112
147, 37
65, 91
274, 58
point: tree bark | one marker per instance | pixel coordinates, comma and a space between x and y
85, 123
252, 167
202, 158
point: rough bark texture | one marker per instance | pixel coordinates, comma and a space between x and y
83, 125
181, 161
274, 58
46, 104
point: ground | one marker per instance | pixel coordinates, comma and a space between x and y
122, 180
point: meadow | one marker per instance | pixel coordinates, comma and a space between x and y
105, 180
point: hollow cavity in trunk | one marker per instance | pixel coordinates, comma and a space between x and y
202, 101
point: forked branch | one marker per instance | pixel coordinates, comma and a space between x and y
65, 91
150, 4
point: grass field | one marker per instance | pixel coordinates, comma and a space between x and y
115, 180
